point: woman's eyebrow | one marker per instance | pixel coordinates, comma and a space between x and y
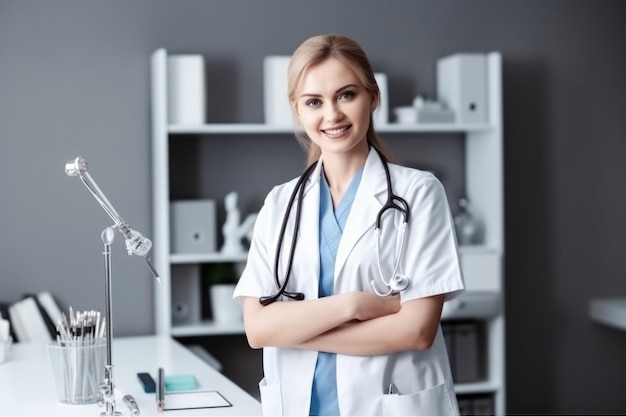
338, 90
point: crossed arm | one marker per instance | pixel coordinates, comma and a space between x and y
353, 323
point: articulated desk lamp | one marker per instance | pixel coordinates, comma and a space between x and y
136, 244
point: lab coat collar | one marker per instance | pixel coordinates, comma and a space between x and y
367, 203
373, 178
314, 178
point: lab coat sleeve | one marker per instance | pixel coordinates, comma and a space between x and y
257, 277
431, 261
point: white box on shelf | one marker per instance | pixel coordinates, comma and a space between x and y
186, 89
405, 114
462, 86
381, 114
276, 104
413, 115
193, 226
435, 116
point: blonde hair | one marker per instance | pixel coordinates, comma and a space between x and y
316, 50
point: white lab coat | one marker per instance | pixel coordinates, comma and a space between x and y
422, 378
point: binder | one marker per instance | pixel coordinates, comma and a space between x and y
28, 323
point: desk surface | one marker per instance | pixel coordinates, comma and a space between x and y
27, 384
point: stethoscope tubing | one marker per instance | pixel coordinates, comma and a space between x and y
395, 284
299, 191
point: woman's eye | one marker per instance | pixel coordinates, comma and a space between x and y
346, 95
313, 102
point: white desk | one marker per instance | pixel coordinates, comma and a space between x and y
27, 384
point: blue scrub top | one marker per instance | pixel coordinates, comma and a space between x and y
331, 224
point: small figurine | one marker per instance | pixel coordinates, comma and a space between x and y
233, 230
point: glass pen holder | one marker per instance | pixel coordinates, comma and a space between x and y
78, 370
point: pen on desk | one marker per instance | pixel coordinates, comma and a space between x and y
160, 391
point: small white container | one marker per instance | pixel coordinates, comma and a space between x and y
225, 309
407, 114
185, 89
276, 106
381, 114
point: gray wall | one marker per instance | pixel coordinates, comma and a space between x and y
74, 81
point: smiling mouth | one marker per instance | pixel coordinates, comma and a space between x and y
336, 131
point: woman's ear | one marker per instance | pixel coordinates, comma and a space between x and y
374, 103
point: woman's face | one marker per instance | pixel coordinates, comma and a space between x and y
334, 108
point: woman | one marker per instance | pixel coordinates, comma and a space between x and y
343, 349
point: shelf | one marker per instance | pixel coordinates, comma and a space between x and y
482, 264
468, 249
206, 328
610, 311
262, 128
198, 258
475, 387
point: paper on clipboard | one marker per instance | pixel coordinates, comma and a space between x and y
186, 400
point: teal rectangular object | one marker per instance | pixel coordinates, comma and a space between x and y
185, 382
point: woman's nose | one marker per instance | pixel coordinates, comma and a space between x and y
333, 112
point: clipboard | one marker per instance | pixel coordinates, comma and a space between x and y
189, 400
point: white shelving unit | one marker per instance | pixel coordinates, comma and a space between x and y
482, 264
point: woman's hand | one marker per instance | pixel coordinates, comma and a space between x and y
369, 305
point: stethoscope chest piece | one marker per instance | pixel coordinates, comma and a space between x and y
399, 283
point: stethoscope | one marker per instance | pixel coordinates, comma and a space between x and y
395, 284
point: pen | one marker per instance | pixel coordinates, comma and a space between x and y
392, 389
160, 391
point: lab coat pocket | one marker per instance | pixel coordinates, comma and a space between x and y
433, 401
271, 399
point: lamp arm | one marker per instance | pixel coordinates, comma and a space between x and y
135, 243
78, 167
